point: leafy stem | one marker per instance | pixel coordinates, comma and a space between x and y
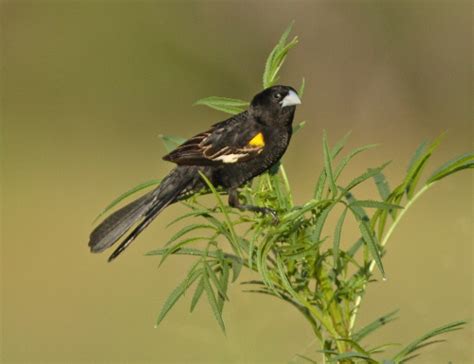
303, 260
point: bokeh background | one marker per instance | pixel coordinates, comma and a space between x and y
87, 87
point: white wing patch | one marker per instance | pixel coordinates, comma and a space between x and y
230, 158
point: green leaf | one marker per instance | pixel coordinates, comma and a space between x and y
194, 213
336, 149
171, 142
232, 237
178, 246
339, 146
298, 127
128, 193
277, 57
352, 355
417, 165
224, 283
418, 152
337, 238
355, 346
424, 340
187, 229
464, 161
374, 325
321, 219
382, 185
307, 359
328, 165
177, 293
343, 163
357, 209
213, 303
197, 294
372, 244
370, 239
365, 176
376, 204
236, 269
225, 104
217, 284
301, 89
355, 247
182, 251
381, 348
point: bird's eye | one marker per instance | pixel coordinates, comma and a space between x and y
277, 96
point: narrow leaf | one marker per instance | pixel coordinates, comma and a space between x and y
376, 204
454, 165
187, 229
177, 293
213, 278
418, 152
351, 355
337, 238
171, 142
417, 165
225, 104
374, 325
213, 303
197, 294
365, 176
236, 269
372, 244
345, 161
301, 89
277, 57
328, 165
298, 127
382, 185
418, 343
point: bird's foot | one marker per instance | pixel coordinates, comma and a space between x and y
264, 211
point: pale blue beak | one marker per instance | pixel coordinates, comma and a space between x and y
291, 99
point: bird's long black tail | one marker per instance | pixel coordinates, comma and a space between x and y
141, 212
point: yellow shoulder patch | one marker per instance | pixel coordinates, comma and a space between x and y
257, 141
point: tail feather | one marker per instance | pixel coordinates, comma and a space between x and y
148, 218
117, 224
141, 212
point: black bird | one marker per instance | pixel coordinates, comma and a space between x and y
229, 154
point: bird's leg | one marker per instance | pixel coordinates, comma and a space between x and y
235, 202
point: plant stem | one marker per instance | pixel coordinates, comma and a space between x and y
382, 244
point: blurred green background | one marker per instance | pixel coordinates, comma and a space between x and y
87, 87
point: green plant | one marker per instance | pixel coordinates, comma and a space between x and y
295, 262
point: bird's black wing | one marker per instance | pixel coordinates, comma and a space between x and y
234, 140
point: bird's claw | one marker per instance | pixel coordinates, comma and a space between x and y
272, 212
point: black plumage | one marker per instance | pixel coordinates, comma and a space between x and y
229, 154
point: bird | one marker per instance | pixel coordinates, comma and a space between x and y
229, 154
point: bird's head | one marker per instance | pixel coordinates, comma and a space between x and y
275, 105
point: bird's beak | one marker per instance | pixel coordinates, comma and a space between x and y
290, 100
